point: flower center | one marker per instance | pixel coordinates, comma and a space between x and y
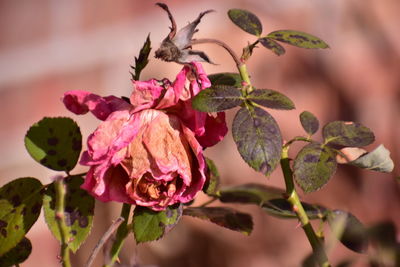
153, 189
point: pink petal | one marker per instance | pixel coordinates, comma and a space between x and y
146, 94
111, 187
113, 135
198, 168
201, 77
81, 102
215, 130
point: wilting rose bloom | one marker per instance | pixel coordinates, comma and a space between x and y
148, 152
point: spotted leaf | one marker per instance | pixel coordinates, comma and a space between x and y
309, 122
347, 133
225, 217
20, 204
270, 99
17, 254
226, 78
258, 139
79, 210
55, 143
217, 98
249, 194
149, 225
272, 45
314, 165
299, 39
246, 20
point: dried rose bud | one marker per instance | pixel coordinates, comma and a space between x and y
177, 45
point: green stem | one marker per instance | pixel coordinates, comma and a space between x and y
60, 219
122, 233
294, 200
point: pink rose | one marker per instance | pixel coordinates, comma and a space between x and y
147, 158
148, 153
176, 98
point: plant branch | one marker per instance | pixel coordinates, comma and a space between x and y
294, 200
122, 233
60, 219
220, 43
103, 240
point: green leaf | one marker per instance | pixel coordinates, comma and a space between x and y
258, 139
150, 225
55, 143
143, 59
217, 98
79, 211
299, 39
225, 217
378, 160
346, 133
20, 204
349, 230
226, 78
249, 194
313, 167
17, 254
270, 99
281, 208
309, 122
272, 45
212, 183
246, 20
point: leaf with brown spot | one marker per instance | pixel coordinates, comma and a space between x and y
249, 194
297, 38
79, 211
270, 99
20, 203
246, 20
150, 225
309, 122
272, 45
226, 78
56, 143
18, 254
313, 167
347, 133
225, 217
217, 98
258, 139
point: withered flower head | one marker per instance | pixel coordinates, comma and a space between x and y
177, 46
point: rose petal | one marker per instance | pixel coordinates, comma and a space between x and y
146, 94
111, 187
198, 167
215, 130
81, 102
167, 148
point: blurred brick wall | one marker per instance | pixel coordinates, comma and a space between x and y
48, 47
